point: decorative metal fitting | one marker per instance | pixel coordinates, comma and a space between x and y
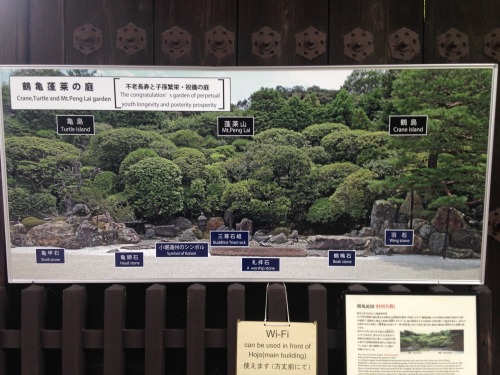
404, 44
310, 43
266, 43
131, 39
87, 38
358, 44
492, 44
453, 45
176, 42
219, 42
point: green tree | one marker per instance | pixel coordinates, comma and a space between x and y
341, 110
280, 137
154, 188
23, 203
356, 146
191, 162
315, 133
353, 198
186, 138
216, 180
107, 150
452, 156
285, 165
264, 203
327, 178
38, 163
134, 157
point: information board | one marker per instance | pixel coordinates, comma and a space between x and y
411, 334
331, 174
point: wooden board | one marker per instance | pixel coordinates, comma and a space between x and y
112, 19
269, 32
46, 32
354, 24
195, 32
14, 32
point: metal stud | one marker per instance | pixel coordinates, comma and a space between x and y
310, 43
358, 44
87, 38
453, 45
131, 39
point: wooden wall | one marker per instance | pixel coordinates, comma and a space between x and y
257, 32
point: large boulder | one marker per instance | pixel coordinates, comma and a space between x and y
187, 236
90, 233
383, 212
425, 231
166, 231
436, 243
466, 239
182, 223
127, 235
278, 239
406, 206
215, 223
448, 218
80, 210
51, 234
245, 225
417, 248
261, 236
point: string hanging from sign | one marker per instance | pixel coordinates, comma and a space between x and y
287, 310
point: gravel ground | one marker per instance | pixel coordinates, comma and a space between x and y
97, 265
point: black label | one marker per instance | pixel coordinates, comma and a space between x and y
407, 125
235, 126
75, 124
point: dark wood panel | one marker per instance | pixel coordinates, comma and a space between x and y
195, 32
46, 32
476, 20
99, 26
283, 32
14, 32
361, 31
473, 20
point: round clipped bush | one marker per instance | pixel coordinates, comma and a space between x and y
31, 222
280, 230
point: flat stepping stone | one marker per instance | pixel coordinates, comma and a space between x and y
258, 251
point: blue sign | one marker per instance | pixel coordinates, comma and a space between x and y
181, 249
129, 260
260, 264
229, 238
50, 255
399, 237
342, 258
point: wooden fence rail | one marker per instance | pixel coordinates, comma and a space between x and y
119, 347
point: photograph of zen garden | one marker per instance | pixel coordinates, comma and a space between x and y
321, 173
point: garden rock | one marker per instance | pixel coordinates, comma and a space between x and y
214, 222
187, 236
382, 212
454, 221
343, 243
466, 239
166, 230
182, 223
279, 239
